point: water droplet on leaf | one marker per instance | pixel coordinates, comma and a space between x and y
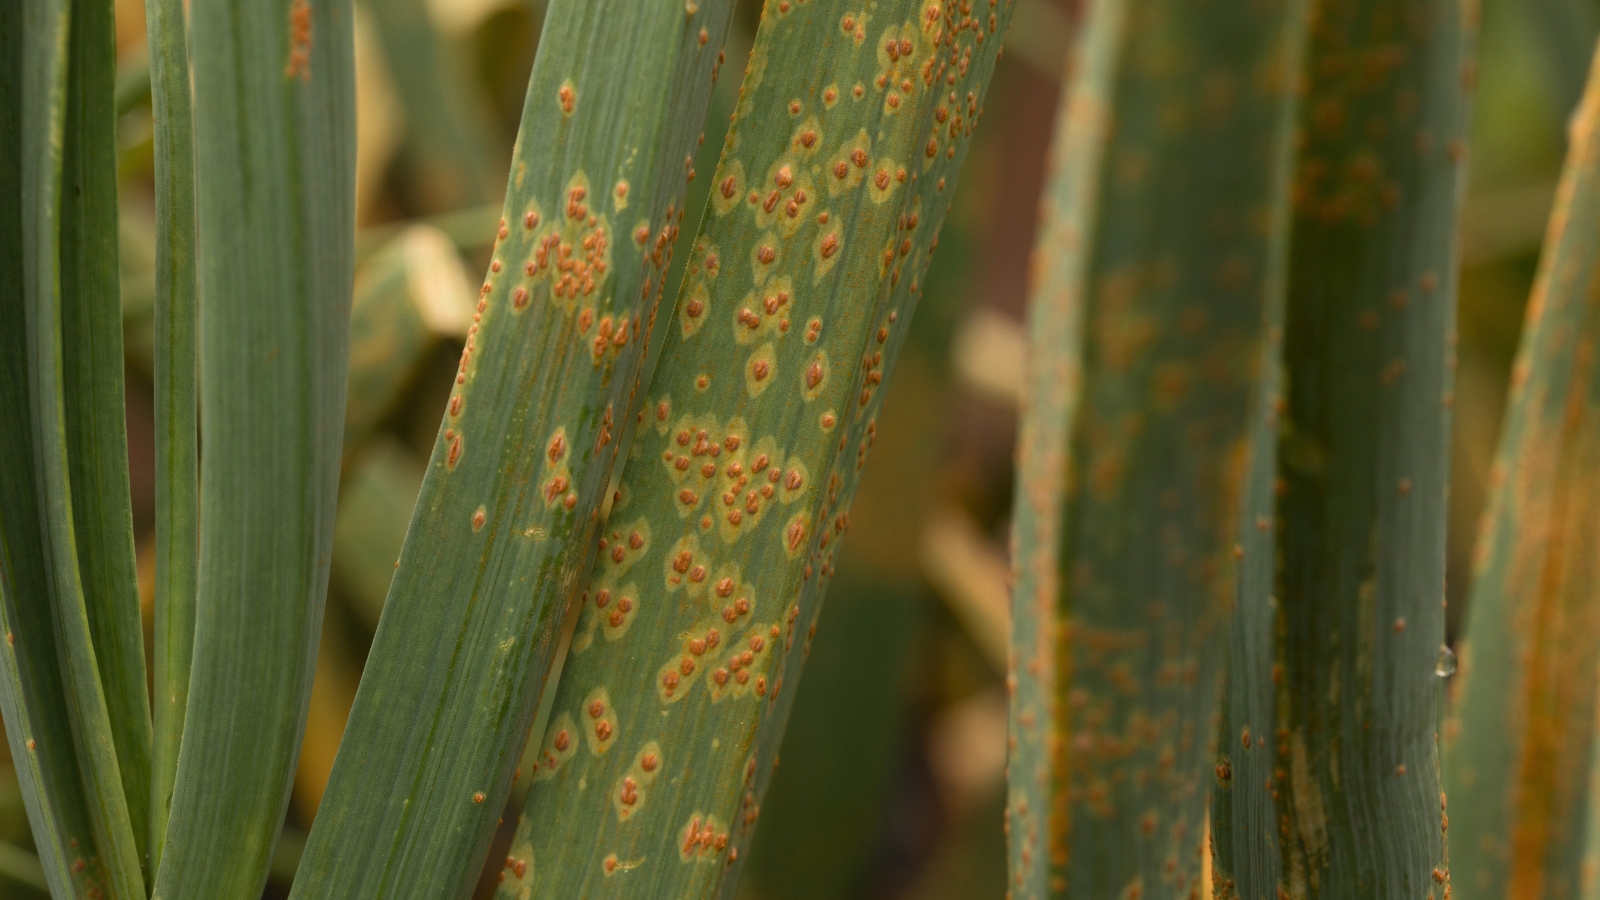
1446, 666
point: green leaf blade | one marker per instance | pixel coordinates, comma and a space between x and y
711, 570
1336, 726
1160, 263
521, 465
32, 699
92, 376
274, 142
176, 401
67, 193
1520, 743
1055, 323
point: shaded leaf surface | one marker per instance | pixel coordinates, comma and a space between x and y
1328, 764
1520, 745
1161, 258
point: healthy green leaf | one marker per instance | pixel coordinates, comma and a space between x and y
834, 180
1520, 745
275, 159
68, 203
503, 526
1161, 257
177, 451
32, 698
1328, 767
91, 363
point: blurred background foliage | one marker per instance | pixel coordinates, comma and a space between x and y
891, 783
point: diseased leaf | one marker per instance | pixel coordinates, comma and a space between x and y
275, 160
501, 530
1328, 767
1521, 741
1161, 258
852, 126
826, 809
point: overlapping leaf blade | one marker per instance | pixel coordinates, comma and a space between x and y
177, 448
1328, 771
1161, 262
275, 158
501, 530
32, 698
852, 126
92, 383
66, 521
